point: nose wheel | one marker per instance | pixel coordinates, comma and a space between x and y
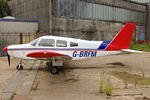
19, 67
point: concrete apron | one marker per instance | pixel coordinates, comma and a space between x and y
28, 76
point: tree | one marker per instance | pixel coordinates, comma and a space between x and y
5, 9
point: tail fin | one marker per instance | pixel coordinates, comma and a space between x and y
123, 39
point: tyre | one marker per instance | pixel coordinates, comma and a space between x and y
19, 67
54, 70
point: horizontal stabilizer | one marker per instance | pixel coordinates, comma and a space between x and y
132, 51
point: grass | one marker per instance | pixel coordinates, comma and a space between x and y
146, 81
140, 47
105, 87
108, 89
131, 78
101, 84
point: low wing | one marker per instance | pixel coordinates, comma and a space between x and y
48, 55
132, 51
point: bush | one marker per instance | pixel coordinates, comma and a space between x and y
141, 47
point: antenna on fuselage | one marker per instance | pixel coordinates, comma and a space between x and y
83, 35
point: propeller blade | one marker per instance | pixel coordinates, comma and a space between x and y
8, 59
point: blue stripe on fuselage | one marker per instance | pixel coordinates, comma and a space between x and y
104, 45
58, 49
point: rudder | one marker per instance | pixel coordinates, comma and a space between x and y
123, 39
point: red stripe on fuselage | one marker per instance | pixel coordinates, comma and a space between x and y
43, 54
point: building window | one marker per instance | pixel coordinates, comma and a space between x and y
67, 7
73, 44
47, 43
61, 43
88, 10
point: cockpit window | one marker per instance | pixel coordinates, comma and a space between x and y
61, 43
34, 42
73, 44
47, 42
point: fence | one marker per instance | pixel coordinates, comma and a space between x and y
14, 38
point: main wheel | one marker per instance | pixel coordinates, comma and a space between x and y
19, 67
54, 70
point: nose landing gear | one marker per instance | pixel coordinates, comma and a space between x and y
19, 66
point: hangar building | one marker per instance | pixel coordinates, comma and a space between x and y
88, 19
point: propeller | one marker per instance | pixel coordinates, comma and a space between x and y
8, 59
6, 51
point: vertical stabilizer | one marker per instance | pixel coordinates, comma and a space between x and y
123, 39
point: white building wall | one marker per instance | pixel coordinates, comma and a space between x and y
14, 26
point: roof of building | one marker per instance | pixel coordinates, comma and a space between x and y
19, 20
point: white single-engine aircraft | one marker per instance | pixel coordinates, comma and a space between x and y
56, 49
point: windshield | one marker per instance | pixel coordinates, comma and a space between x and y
47, 42
34, 42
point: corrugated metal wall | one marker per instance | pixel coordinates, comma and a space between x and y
82, 9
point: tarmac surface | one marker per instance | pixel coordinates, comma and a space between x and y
79, 80
21, 82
